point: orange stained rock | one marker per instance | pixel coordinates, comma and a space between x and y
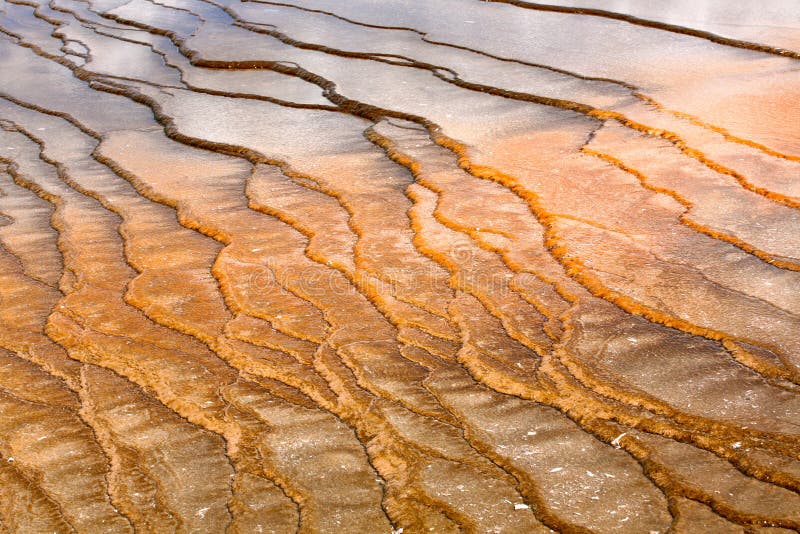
449, 266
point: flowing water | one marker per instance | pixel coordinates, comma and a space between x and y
364, 266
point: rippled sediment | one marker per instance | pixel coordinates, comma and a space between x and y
452, 266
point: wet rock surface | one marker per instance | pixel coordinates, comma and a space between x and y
368, 266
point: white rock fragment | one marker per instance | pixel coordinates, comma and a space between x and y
520, 506
556, 469
736, 445
615, 442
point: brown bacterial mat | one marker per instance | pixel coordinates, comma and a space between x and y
360, 266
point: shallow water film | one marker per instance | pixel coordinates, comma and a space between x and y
399, 266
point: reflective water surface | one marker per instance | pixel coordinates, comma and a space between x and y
457, 265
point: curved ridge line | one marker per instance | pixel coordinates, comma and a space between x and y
688, 205
665, 26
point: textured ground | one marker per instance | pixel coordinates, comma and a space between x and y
374, 266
